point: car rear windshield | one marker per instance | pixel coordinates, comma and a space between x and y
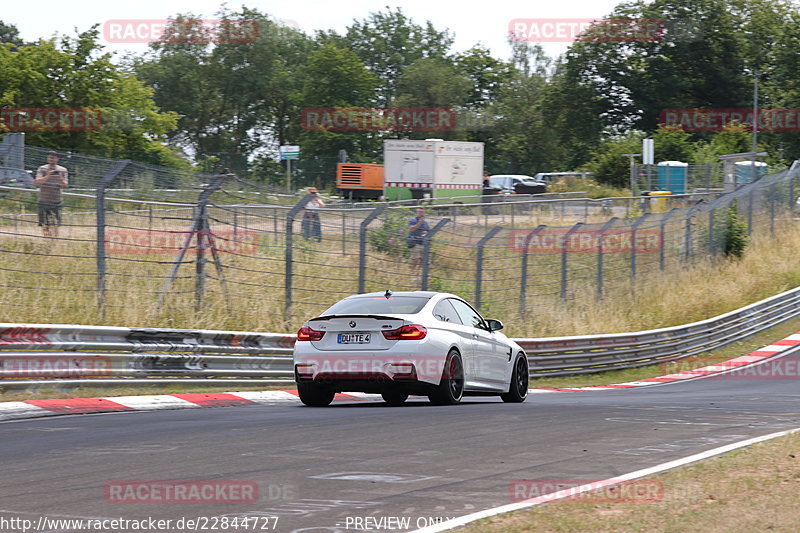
378, 305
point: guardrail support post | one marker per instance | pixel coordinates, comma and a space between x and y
564, 246
523, 287
362, 246
426, 252
101, 233
479, 263
600, 236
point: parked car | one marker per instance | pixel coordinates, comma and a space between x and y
517, 184
407, 343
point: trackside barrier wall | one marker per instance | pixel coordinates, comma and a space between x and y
33, 355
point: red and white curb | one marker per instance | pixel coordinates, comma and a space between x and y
72, 406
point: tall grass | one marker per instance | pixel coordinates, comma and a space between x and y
53, 280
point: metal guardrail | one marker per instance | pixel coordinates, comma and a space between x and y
96, 355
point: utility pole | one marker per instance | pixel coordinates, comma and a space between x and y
633, 171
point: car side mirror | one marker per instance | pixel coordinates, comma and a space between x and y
494, 325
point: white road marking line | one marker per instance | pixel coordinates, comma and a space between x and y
572, 491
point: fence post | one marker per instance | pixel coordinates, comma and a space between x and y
523, 288
750, 211
711, 245
426, 251
772, 193
200, 259
100, 200
634, 229
344, 233
564, 259
688, 232
661, 238
479, 263
362, 246
600, 236
287, 296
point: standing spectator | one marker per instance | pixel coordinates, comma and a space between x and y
312, 227
486, 183
418, 228
52, 178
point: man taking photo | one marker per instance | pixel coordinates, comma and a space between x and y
51, 179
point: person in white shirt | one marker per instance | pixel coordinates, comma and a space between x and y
312, 227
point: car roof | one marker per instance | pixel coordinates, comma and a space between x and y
519, 176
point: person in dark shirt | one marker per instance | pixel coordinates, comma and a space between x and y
51, 179
418, 228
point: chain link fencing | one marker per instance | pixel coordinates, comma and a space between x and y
140, 244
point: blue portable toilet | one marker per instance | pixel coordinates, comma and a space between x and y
672, 176
747, 171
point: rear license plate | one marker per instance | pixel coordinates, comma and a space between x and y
353, 338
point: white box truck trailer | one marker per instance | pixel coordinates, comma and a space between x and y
433, 167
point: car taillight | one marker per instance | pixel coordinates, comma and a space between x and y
307, 334
409, 332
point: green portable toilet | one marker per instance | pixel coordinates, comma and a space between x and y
747, 171
672, 176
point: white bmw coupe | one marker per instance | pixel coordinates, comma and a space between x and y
407, 343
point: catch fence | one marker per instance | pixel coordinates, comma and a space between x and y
141, 244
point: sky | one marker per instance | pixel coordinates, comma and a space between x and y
471, 23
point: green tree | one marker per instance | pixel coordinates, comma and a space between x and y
672, 144
609, 165
9, 34
336, 77
232, 97
704, 55
521, 141
77, 73
389, 42
487, 75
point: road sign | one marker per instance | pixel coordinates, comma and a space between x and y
647, 151
289, 151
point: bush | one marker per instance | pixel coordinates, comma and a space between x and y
736, 237
391, 237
